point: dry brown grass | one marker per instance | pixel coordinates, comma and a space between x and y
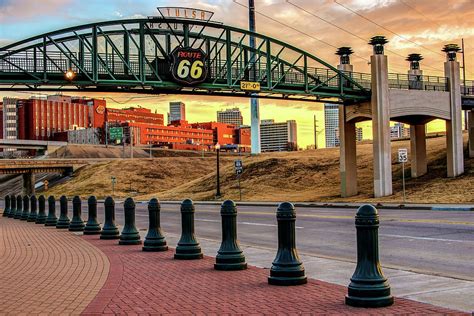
294, 176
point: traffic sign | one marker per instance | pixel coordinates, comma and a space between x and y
402, 155
238, 166
238, 163
115, 133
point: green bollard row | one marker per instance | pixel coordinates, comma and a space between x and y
368, 288
63, 221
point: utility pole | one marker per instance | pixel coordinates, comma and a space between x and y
254, 105
315, 122
464, 80
131, 142
106, 134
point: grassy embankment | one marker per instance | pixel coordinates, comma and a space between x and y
290, 176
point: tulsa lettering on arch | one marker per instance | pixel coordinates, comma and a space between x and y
185, 13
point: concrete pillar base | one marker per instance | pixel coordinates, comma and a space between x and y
29, 183
348, 156
454, 147
470, 128
418, 150
381, 126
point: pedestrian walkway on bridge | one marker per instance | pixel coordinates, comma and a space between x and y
44, 270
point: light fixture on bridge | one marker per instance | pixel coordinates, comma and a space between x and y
344, 53
414, 60
70, 74
451, 50
378, 42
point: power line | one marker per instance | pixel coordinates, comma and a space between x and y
387, 29
420, 13
295, 29
426, 17
348, 32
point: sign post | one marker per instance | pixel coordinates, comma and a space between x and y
402, 158
239, 168
114, 180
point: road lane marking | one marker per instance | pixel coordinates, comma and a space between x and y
425, 238
244, 223
382, 218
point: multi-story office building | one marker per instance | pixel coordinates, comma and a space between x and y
41, 118
359, 134
278, 136
230, 116
399, 130
331, 124
177, 112
9, 118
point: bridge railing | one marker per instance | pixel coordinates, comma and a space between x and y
468, 88
57, 62
415, 82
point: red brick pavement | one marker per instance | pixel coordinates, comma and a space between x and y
154, 283
47, 271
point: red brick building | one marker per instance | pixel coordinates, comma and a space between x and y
136, 115
43, 118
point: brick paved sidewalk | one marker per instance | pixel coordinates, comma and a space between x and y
155, 283
44, 270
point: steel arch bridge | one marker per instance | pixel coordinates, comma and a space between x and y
136, 56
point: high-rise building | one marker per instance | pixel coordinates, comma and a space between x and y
10, 118
177, 112
278, 136
399, 130
331, 124
230, 116
359, 134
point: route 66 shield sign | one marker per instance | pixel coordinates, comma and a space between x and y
189, 65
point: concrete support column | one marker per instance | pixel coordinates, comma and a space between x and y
347, 137
29, 183
381, 125
470, 128
418, 150
348, 155
455, 161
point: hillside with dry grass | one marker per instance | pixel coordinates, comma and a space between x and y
311, 175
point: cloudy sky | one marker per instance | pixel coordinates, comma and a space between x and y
317, 26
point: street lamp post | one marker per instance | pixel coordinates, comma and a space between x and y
218, 190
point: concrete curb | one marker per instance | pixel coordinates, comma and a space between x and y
423, 207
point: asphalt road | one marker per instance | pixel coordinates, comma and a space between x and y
432, 242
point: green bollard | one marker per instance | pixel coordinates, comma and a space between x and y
77, 224
188, 247
154, 240
6, 210
109, 231
12, 212
230, 256
368, 287
130, 235
51, 220
63, 221
19, 207
287, 269
26, 208
92, 225
33, 215
41, 218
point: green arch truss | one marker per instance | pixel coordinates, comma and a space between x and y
133, 56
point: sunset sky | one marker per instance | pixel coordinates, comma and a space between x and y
412, 26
